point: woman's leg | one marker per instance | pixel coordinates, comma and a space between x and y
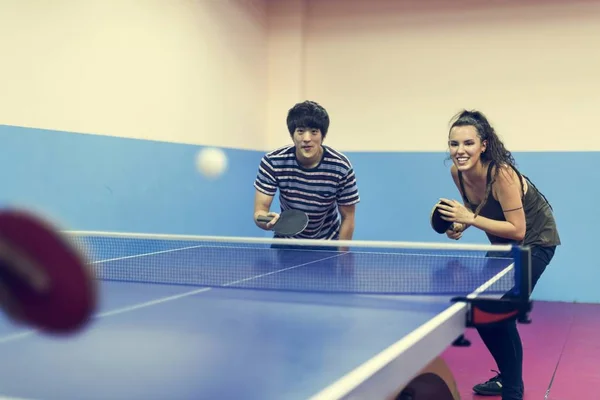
504, 342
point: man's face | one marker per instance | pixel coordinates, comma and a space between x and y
308, 142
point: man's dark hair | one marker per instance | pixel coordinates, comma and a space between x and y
308, 115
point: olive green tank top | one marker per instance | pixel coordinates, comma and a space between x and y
541, 226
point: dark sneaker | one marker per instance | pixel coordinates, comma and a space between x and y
493, 387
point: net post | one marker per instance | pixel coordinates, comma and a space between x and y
514, 304
522, 257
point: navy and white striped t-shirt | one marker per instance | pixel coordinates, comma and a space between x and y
317, 191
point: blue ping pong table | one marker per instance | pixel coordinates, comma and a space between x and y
185, 318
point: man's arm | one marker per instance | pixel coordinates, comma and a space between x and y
347, 227
347, 200
262, 205
266, 187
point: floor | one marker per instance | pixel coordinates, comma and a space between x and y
561, 355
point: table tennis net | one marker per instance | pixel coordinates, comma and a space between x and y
367, 269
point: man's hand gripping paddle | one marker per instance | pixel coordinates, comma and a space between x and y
290, 222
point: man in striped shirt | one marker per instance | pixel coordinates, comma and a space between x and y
310, 177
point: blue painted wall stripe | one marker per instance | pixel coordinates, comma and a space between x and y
114, 184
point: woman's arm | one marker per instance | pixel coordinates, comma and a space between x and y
508, 192
460, 227
507, 188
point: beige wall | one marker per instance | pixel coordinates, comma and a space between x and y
286, 85
172, 70
392, 73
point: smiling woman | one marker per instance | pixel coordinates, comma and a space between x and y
508, 207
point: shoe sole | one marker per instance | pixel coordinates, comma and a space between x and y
484, 393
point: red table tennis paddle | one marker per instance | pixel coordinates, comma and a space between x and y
290, 222
439, 224
44, 281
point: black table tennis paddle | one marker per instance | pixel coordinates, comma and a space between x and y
439, 224
290, 222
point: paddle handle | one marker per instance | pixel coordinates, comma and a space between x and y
264, 218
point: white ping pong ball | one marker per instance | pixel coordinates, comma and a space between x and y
211, 162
